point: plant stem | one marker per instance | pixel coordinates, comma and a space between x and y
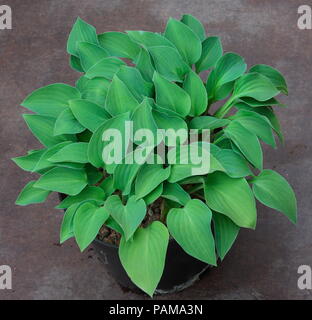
224, 109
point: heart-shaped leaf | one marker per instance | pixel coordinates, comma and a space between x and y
191, 228
144, 257
130, 216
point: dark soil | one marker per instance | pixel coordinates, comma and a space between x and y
109, 235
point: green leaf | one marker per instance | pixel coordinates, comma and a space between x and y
228, 68
174, 192
144, 65
90, 54
194, 86
150, 177
42, 127
51, 100
185, 40
89, 114
135, 82
255, 103
106, 68
171, 96
153, 195
149, 39
232, 197
63, 180
167, 121
256, 86
94, 175
75, 63
119, 98
169, 63
94, 90
81, 32
66, 123
119, 44
143, 120
226, 232
30, 195
191, 228
191, 160
257, 124
273, 74
196, 26
234, 164
247, 142
67, 227
43, 163
108, 186
144, 257
207, 122
74, 152
96, 144
29, 161
130, 216
211, 52
88, 221
273, 190
89, 193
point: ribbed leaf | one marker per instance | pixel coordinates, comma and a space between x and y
81, 32
51, 100
149, 177
63, 180
130, 216
43, 129
207, 122
195, 25
171, 96
89, 193
232, 197
185, 40
247, 142
88, 220
273, 190
119, 44
194, 86
191, 228
29, 161
169, 63
211, 52
106, 68
31, 194
174, 192
66, 123
74, 152
119, 98
226, 232
90, 54
144, 257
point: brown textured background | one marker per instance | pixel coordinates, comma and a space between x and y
263, 263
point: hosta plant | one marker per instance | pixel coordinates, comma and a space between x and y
154, 81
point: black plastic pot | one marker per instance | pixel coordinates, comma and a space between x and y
181, 270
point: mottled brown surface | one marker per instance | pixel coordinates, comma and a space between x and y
263, 263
